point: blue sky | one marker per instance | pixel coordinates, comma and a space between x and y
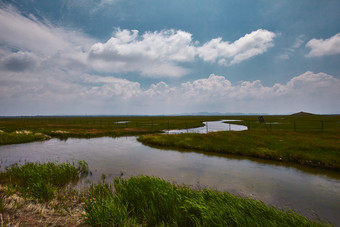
169, 57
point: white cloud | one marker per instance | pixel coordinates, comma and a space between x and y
49, 70
153, 53
61, 93
108, 87
159, 53
313, 92
322, 47
26, 43
255, 43
19, 32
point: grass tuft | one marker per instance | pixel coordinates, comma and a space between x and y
41, 181
150, 201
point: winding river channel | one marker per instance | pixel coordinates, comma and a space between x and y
308, 191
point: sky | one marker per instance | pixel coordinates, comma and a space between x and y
158, 57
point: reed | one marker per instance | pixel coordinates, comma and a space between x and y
21, 137
150, 201
41, 180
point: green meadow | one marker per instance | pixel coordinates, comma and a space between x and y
311, 140
28, 129
308, 148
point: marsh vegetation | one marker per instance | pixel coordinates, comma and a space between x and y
136, 201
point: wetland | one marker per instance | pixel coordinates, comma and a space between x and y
312, 192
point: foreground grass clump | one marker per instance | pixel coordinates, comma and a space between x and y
149, 201
308, 148
21, 136
41, 181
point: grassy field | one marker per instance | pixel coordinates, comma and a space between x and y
27, 129
307, 139
308, 148
136, 201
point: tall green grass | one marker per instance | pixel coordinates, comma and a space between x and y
42, 180
311, 149
150, 201
14, 137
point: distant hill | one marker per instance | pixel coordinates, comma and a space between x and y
218, 114
302, 114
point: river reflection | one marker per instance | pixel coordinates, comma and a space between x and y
304, 190
211, 126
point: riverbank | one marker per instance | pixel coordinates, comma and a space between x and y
14, 130
307, 139
313, 149
136, 201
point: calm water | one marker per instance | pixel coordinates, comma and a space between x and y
305, 190
211, 126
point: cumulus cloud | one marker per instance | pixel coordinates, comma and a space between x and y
156, 54
252, 44
108, 87
159, 53
94, 94
322, 47
153, 53
315, 92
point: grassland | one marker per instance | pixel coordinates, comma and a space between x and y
27, 129
311, 140
311, 149
136, 201
302, 138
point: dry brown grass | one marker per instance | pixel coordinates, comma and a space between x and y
19, 211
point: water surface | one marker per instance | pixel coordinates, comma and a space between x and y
211, 126
306, 190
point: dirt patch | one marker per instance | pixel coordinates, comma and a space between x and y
60, 131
